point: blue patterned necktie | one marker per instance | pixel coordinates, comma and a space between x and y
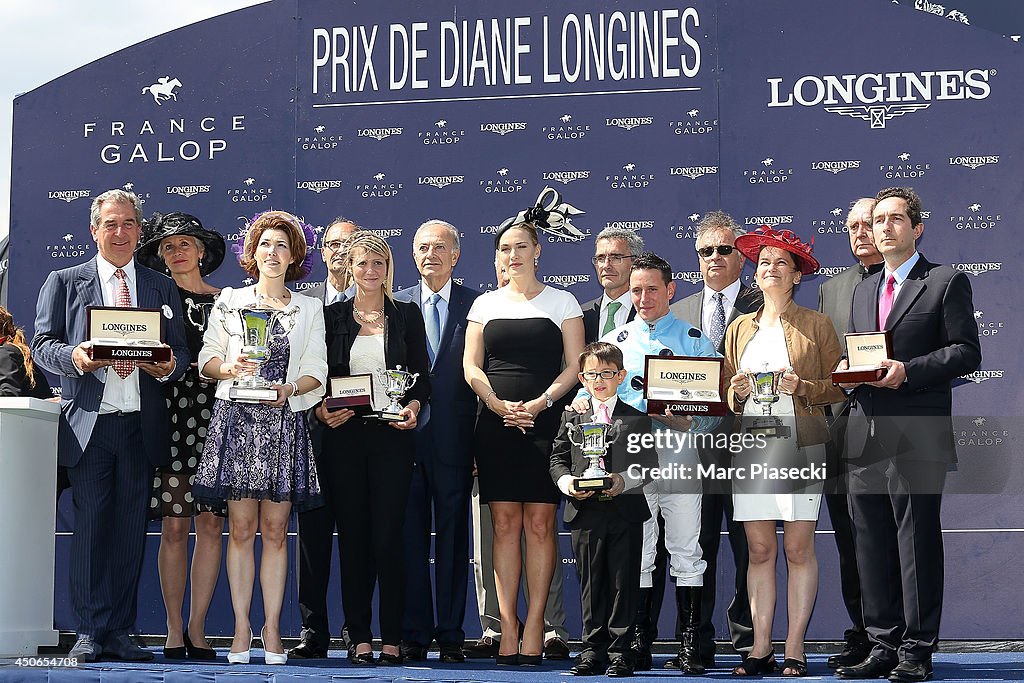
718, 320
432, 320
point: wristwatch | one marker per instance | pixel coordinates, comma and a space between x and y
547, 399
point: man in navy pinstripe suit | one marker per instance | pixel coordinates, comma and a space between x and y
113, 428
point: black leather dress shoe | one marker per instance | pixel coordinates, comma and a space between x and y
587, 666
485, 648
85, 649
872, 667
911, 671
413, 652
307, 649
619, 668
851, 654
556, 648
451, 654
124, 648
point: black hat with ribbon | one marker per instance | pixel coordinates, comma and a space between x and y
550, 214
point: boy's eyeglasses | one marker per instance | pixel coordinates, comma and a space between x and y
604, 374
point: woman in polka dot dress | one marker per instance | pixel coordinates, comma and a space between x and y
177, 243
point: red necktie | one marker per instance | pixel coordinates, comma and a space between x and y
885, 303
124, 300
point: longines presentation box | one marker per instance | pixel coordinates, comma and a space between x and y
127, 334
353, 392
685, 385
865, 351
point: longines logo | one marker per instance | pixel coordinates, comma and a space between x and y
320, 141
768, 173
503, 128
835, 224
378, 134
905, 168
989, 327
691, 276
879, 97
379, 189
768, 220
979, 376
567, 130
630, 122
830, 271
488, 229
693, 172
502, 184
69, 248
693, 124
387, 233
252, 192
630, 225
68, 195
317, 186
440, 134
187, 190
834, 167
976, 219
565, 177
566, 280
974, 162
940, 10
441, 181
977, 269
630, 179
981, 434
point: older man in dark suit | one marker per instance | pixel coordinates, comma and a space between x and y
900, 439
316, 527
614, 251
114, 426
835, 297
443, 473
722, 299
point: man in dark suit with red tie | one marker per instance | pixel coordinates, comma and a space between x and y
443, 474
114, 427
614, 250
900, 439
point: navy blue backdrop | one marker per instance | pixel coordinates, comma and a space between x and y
642, 114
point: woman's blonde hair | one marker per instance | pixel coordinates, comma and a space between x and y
366, 241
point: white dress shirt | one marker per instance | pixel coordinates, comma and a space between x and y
119, 395
707, 310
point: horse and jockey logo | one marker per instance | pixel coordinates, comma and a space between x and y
163, 89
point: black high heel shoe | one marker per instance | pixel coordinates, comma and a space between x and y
198, 653
530, 660
515, 658
757, 666
180, 652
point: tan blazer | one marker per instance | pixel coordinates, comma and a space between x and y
814, 352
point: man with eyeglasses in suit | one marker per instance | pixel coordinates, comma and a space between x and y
316, 527
722, 299
614, 250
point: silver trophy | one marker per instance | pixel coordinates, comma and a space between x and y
593, 440
396, 382
257, 323
764, 392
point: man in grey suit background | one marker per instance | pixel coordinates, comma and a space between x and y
114, 426
722, 299
316, 527
614, 250
835, 297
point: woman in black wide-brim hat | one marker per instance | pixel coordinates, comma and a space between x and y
178, 244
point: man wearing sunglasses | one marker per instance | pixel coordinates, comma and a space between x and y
723, 298
614, 251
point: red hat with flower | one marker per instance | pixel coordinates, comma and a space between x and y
750, 245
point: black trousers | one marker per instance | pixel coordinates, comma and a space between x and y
111, 486
370, 496
608, 550
849, 578
898, 537
316, 543
741, 630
